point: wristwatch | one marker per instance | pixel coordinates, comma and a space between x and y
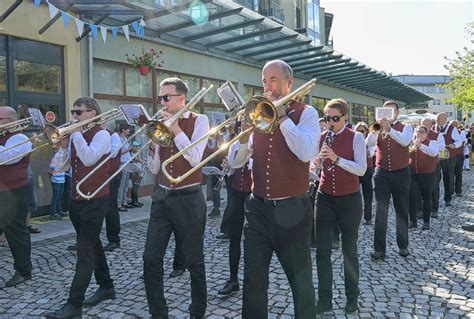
336, 162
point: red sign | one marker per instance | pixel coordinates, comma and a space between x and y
50, 116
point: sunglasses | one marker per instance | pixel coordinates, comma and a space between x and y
79, 112
335, 118
167, 97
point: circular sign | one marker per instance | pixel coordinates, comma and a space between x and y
50, 116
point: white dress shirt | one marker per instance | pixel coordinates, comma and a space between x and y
193, 155
454, 135
124, 157
302, 139
440, 142
115, 146
403, 138
432, 149
359, 165
14, 152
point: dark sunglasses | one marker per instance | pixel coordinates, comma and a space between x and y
167, 97
79, 112
335, 118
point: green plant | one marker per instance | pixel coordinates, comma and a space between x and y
150, 58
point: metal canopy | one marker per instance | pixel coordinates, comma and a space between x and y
235, 32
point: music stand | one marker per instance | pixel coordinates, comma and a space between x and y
230, 97
37, 117
135, 114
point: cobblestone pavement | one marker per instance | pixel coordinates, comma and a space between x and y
436, 280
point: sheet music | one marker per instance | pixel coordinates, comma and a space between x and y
37, 117
230, 97
135, 114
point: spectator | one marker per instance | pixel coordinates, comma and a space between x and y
124, 131
57, 183
32, 202
136, 175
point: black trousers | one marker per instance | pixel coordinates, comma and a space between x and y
112, 219
14, 207
236, 217
344, 212
67, 194
87, 218
458, 173
435, 197
397, 185
313, 190
284, 228
226, 217
178, 258
367, 192
421, 184
183, 213
447, 170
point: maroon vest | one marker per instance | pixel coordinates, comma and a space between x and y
242, 180
15, 175
390, 155
337, 181
79, 171
421, 163
180, 166
432, 135
370, 160
276, 171
114, 162
448, 139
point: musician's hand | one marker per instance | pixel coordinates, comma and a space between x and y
417, 144
314, 165
385, 124
225, 162
451, 146
327, 152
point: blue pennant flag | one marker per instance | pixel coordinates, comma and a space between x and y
114, 32
142, 31
136, 27
93, 30
66, 18
37, 3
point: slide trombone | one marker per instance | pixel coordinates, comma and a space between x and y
259, 111
16, 126
159, 132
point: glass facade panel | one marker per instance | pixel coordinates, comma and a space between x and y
212, 96
193, 84
37, 77
160, 76
137, 85
3, 73
3, 101
108, 78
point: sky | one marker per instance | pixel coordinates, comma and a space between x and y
401, 36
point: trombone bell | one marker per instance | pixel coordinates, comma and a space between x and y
262, 113
159, 133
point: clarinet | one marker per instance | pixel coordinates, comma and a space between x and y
327, 142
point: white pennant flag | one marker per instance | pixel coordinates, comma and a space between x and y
142, 22
103, 32
80, 26
126, 31
52, 10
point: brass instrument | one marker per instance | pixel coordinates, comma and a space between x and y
259, 111
16, 126
158, 132
413, 148
443, 153
327, 142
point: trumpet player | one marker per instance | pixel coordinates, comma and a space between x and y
339, 203
392, 178
278, 212
82, 151
179, 208
423, 161
14, 197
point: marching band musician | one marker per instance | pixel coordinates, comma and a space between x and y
459, 162
392, 178
278, 212
82, 151
178, 208
14, 197
423, 161
339, 203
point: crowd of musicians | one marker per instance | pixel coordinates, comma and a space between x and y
269, 198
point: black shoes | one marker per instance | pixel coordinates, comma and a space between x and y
434, 215
122, 209
403, 252
215, 212
135, 204
351, 306
111, 246
223, 236
34, 230
468, 227
368, 222
323, 307
17, 279
447, 204
177, 272
412, 225
335, 244
377, 255
100, 295
66, 311
426, 226
458, 194
229, 288
72, 247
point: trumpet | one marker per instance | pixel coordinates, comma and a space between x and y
16, 126
259, 111
412, 147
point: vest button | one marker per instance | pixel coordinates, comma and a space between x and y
268, 187
269, 153
270, 145
268, 166
268, 195
268, 173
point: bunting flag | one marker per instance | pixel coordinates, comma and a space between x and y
138, 25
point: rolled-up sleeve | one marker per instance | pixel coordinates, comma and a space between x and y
16, 151
98, 147
194, 154
359, 165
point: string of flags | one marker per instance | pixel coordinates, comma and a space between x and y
138, 25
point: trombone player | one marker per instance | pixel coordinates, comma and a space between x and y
82, 151
179, 208
14, 194
278, 212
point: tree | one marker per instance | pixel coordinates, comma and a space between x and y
461, 71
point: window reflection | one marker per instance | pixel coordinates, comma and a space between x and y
37, 77
107, 78
138, 85
3, 73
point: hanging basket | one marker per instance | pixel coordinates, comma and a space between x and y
144, 69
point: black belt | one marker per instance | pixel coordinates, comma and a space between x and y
182, 191
277, 202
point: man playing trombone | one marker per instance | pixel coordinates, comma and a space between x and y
278, 212
83, 150
14, 194
179, 208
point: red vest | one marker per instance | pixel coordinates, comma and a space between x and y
15, 175
337, 181
432, 135
276, 171
448, 139
421, 163
180, 166
242, 180
79, 171
390, 155
370, 160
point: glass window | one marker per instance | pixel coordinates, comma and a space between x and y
436, 102
3, 73
193, 84
160, 76
3, 101
138, 85
108, 78
212, 96
37, 77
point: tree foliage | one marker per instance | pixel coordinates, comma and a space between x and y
461, 71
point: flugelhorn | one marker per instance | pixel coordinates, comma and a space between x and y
16, 126
259, 111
